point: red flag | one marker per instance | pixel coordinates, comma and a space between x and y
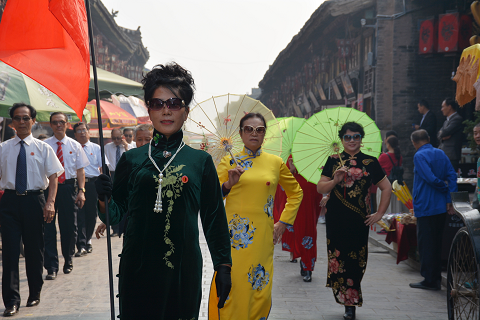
48, 41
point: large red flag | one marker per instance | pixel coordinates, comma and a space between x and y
48, 41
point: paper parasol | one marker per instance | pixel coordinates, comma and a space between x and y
289, 127
318, 139
214, 124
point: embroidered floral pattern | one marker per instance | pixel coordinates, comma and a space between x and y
307, 242
241, 232
258, 277
286, 246
172, 187
290, 228
313, 263
268, 208
347, 296
156, 138
335, 266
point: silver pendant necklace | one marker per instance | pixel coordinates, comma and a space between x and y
158, 203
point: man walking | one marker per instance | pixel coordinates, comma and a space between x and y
428, 122
87, 216
27, 167
450, 135
129, 138
70, 196
434, 180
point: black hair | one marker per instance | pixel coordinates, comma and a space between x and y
420, 136
127, 129
76, 125
352, 126
33, 112
391, 133
57, 113
424, 103
393, 142
171, 76
252, 115
451, 102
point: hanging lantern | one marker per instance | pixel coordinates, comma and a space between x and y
427, 42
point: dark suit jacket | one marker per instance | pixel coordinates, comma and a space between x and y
453, 128
430, 125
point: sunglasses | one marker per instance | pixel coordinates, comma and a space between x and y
18, 118
116, 138
355, 137
128, 135
250, 129
174, 104
56, 123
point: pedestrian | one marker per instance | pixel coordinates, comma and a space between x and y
428, 122
434, 179
301, 238
128, 134
388, 160
165, 185
249, 188
347, 177
87, 215
27, 167
476, 137
70, 196
450, 135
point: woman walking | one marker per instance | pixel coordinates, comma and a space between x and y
348, 177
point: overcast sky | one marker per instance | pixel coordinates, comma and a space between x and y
227, 45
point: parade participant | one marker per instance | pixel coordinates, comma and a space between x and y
347, 177
164, 185
27, 167
87, 216
301, 238
249, 189
129, 137
70, 196
434, 179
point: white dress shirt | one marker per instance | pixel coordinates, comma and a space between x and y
111, 154
132, 145
448, 118
42, 162
73, 156
93, 153
423, 118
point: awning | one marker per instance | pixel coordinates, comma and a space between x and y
110, 83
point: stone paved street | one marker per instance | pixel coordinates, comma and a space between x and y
84, 293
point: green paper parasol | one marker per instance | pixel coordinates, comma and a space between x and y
289, 127
318, 138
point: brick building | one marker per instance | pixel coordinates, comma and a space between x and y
365, 54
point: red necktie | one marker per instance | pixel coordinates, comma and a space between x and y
61, 179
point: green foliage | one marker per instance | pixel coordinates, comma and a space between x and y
469, 130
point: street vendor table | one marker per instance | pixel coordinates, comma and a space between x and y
405, 236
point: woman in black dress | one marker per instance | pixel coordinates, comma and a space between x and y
348, 215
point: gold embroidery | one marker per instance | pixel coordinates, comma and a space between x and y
362, 261
367, 161
348, 204
381, 180
352, 255
360, 202
358, 189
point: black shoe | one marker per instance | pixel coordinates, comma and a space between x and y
308, 276
349, 313
80, 253
303, 273
89, 248
294, 260
114, 234
52, 275
67, 267
10, 311
422, 285
33, 303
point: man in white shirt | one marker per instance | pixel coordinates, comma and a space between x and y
70, 196
115, 149
27, 167
129, 136
87, 216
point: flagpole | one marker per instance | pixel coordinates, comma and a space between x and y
102, 152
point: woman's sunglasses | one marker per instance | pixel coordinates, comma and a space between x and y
250, 129
174, 104
355, 137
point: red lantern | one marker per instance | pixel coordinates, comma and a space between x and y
427, 37
453, 32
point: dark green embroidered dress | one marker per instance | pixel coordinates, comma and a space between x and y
347, 234
161, 263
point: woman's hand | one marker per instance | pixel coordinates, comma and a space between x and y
100, 230
339, 175
324, 200
278, 230
233, 177
373, 218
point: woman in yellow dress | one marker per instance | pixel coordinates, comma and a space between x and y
249, 191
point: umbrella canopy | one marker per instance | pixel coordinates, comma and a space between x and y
17, 87
217, 120
134, 106
112, 116
289, 127
110, 83
317, 139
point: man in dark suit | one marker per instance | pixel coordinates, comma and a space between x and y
428, 122
450, 135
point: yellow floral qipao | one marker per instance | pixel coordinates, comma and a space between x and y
249, 208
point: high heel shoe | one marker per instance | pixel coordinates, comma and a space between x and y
349, 313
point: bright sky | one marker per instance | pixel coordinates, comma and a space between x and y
227, 45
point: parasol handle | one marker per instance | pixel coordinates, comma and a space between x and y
233, 157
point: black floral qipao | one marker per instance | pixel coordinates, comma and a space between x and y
347, 234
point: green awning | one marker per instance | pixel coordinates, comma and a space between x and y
110, 83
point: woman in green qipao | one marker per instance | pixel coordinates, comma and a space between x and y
164, 185
347, 177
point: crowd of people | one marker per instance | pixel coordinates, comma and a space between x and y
156, 187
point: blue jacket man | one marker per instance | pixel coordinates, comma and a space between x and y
434, 179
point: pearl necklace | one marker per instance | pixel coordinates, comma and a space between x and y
158, 203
